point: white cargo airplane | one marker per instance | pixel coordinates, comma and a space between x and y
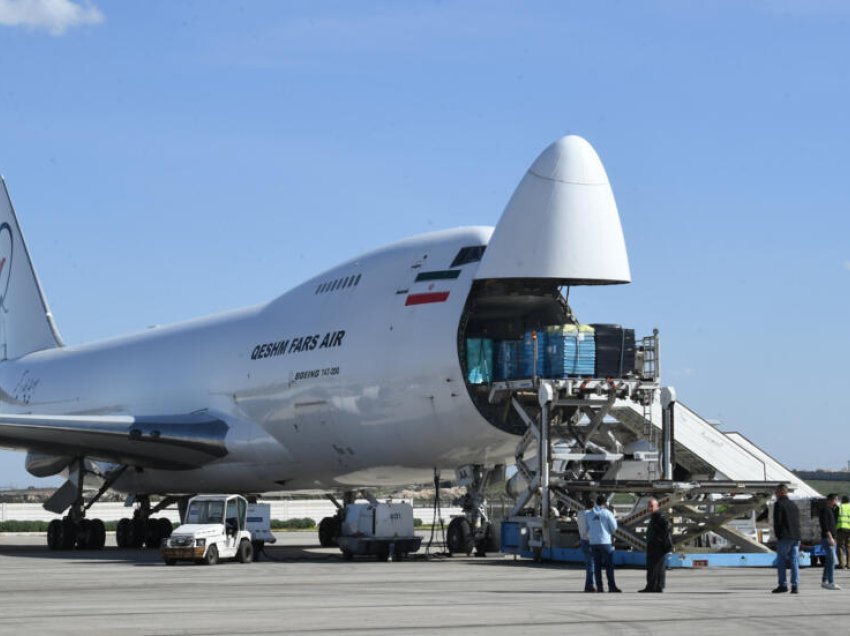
355, 378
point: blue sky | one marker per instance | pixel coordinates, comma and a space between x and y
172, 159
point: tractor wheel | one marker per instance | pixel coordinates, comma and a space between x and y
246, 552
212, 556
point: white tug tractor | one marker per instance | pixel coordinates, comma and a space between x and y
214, 528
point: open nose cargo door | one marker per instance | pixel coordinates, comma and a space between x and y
560, 228
561, 223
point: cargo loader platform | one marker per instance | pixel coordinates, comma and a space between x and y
697, 508
630, 436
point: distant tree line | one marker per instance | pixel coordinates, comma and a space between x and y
823, 475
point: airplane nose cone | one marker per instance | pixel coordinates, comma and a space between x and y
561, 222
570, 159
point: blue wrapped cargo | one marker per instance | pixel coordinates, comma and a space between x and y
479, 360
570, 351
527, 354
506, 364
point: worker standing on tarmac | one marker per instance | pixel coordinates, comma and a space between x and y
827, 534
584, 545
601, 524
843, 538
786, 529
658, 543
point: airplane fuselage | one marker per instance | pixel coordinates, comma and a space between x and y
358, 377
350, 379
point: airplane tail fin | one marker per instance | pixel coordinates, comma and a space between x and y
26, 324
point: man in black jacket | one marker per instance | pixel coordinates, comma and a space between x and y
658, 543
786, 529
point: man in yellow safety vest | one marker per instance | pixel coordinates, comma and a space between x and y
843, 538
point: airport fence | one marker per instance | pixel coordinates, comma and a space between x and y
280, 509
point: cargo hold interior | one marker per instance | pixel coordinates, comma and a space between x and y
515, 329
504, 310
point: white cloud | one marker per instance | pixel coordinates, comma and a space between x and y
847, 265
56, 16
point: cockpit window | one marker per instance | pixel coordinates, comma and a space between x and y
471, 254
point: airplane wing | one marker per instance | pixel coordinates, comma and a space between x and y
174, 442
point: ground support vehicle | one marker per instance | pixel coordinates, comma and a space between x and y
382, 530
215, 527
260, 527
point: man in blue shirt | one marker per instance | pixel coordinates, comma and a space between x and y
601, 524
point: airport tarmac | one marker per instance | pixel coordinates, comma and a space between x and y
313, 591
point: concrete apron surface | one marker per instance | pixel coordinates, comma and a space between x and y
309, 590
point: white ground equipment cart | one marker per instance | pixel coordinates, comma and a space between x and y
382, 530
215, 527
260, 527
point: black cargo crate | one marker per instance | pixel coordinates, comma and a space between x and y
615, 351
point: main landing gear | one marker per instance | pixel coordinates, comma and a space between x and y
67, 534
143, 530
74, 530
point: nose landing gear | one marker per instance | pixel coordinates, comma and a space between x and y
472, 531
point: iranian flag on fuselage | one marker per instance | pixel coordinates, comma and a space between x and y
431, 287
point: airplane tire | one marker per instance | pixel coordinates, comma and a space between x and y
122, 533
152, 533
69, 534
459, 538
165, 527
83, 539
246, 552
54, 534
135, 533
97, 535
482, 545
328, 531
